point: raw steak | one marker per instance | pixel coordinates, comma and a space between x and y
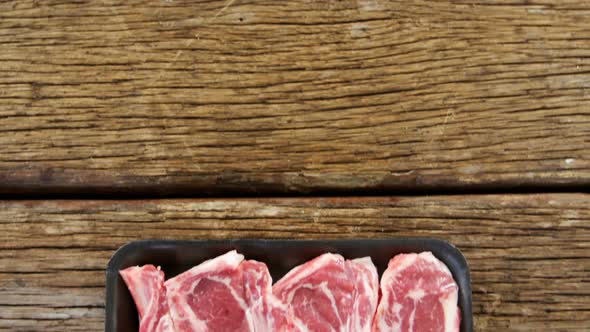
418, 293
331, 294
225, 294
146, 285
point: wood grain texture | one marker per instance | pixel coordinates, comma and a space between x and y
529, 255
292, 96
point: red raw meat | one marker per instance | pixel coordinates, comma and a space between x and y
418, 293
146, 285
225, 294
331, 294
364, 275
268, 313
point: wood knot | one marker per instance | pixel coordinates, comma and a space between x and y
36, 91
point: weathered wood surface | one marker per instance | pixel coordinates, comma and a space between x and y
292, 96
529, 254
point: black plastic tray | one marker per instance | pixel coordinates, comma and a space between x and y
176, 257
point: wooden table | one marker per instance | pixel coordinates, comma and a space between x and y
129, 120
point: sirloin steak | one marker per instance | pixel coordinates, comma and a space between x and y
331, 294
418, 294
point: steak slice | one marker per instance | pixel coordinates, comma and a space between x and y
331, 294
418, 293
225, 294
146, 285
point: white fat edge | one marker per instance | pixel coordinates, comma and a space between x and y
449, 286
373, 281
230, 260
145, 298
449, 304
296, 275
429, 257
446, 284
367, 262
264, 292
383, 306
386, 292
153, 307
373, 285
139, 275
130, 273
263, 321
362, 266
406, 261
374, 298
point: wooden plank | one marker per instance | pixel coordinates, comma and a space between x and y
169, 97
529, 254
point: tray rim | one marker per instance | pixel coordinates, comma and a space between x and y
130, 246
